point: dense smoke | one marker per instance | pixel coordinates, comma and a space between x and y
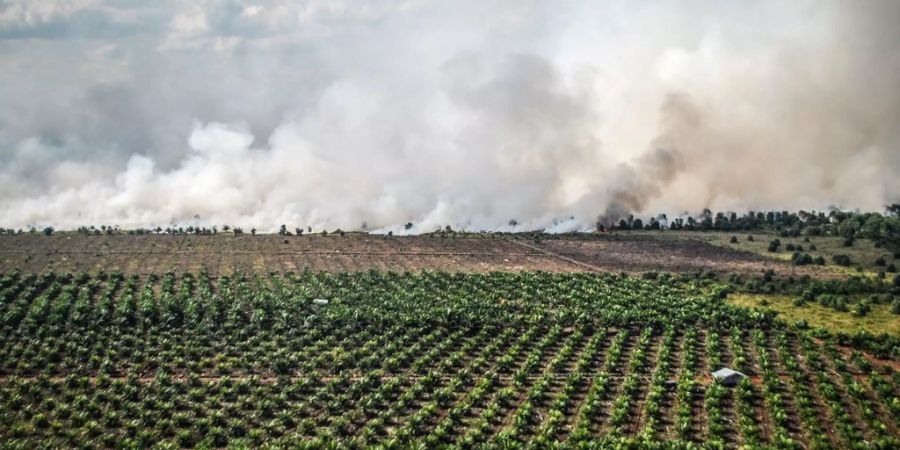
469, 114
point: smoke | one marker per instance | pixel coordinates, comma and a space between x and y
334, 114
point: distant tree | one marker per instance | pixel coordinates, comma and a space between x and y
48, 231
283, 230
893, 209
623, 224
513, 223
253, 231
225, 228
637, 224
299, 231
408, 226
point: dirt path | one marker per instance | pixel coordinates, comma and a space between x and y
557, 255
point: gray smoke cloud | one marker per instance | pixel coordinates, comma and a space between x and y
469, 113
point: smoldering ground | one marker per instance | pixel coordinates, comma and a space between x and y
468, 114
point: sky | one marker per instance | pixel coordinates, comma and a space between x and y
345, 114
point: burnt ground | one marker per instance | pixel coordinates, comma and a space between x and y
221, 254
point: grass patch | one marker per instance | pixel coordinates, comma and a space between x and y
879, 320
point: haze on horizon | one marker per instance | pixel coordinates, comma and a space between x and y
335, 113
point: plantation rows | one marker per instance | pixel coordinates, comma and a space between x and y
428, 360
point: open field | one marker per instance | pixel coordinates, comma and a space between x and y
500, 360
224, 254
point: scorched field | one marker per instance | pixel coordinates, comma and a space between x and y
426, 360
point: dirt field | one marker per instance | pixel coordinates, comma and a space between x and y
353, 252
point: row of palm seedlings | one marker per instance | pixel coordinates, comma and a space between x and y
361, 360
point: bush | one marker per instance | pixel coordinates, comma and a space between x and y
880, 261
750, 239
819, 261
48, 231
733, 240
861, 309
812, 247
895, 306
848, 242
841, 260
801, 259
773, 245
891, 268
790, 247
836, 302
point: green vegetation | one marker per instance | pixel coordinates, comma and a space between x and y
426, 360
863, 257
879, 319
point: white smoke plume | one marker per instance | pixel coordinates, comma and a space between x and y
467, 113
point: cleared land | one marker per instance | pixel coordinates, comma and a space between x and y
223, 254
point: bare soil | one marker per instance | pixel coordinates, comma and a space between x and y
222, 254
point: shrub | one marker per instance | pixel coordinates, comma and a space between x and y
841, 260
773, 246
819, 261
750, 238
891, 268
733, 240
848, 242
812, 247
880, 261
801, 259
861, 308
